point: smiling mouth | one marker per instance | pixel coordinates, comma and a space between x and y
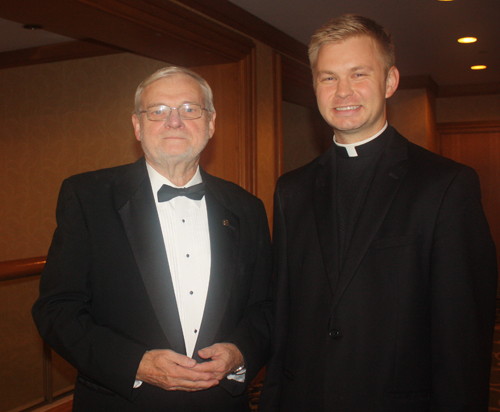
341, 109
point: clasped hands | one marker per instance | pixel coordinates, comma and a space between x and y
172, 371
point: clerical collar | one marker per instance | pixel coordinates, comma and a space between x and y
157, 179
360, 148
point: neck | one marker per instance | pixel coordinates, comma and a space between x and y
178, 173
353, 138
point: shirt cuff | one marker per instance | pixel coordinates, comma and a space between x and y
239, 376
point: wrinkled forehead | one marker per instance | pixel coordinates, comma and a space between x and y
176, 89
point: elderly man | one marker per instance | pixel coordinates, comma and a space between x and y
157, 280
385, 268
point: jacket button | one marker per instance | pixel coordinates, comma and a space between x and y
334, 334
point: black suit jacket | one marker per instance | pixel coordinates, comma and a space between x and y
406, 323
106, 294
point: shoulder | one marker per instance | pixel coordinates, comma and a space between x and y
229, 193
309, 170
435, 166
426, 169
103, 182
107, 174
304, 177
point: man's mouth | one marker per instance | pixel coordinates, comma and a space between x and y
341, 109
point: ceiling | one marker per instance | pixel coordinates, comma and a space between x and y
425, 32
15, 37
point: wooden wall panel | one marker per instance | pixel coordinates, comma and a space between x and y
268, 117
227, 154
246, 148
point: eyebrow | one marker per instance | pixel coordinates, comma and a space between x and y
351, 70
362, 67
163, 104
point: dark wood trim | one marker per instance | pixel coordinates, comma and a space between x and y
278, 116
234, 16
164, 30
21, 268
248, 139
297, 83
468, 127
64, 404
54, 53
168, 18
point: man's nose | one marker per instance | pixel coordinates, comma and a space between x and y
344, 89
174, 120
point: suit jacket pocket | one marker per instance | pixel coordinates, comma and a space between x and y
94, 386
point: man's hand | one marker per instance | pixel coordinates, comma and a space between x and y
224, 359
172, 371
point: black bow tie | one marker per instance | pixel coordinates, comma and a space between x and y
195, 192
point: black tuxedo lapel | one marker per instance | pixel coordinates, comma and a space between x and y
224, 227
136, 206
389, 173
325, 212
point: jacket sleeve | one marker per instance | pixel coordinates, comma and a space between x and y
270, 395
62, 312
253, 333
463, 291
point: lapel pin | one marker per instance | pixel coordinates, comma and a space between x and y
225, 222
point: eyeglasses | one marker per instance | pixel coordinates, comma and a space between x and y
187, 111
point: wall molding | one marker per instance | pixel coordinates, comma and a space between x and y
55, 53
468, 127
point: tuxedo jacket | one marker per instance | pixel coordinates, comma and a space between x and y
406, 322
106, 294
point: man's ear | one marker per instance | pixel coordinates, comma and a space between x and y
137, 127
211, 125
392, 82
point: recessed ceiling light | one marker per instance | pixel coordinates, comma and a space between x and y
478, 67
445, 0
467, 40
32, 26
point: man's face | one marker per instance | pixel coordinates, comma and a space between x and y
174, 140
351, 87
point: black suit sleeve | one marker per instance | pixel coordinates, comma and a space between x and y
269, 400
463, 277
253, 333
63, 311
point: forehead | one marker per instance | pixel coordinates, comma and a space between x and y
177, 89
358, 50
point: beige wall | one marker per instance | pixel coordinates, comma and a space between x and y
305, 135
468, 108
411, 112
59, 119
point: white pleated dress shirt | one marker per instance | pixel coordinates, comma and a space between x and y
184, 225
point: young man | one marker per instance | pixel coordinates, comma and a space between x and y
385, 268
